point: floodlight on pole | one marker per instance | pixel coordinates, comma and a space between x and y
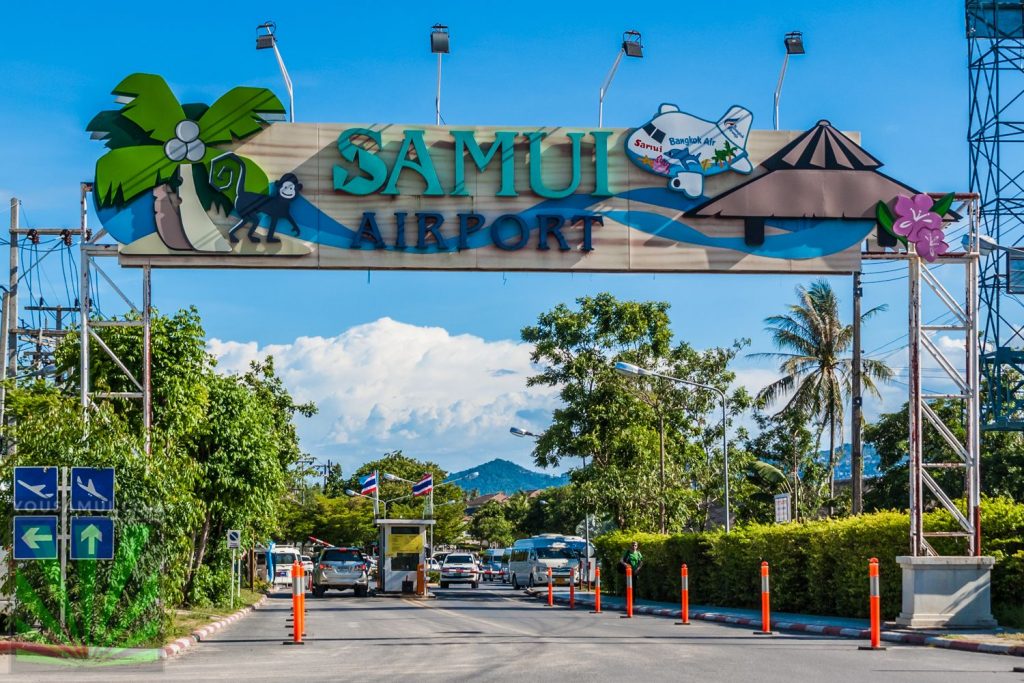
268, 41
440, 44
632, 46
521, 433
637, 371
794, 42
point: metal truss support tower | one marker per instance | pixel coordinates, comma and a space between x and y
995, 49
958, 364
961, 367
91, 251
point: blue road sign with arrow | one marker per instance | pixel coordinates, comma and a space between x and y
92, 488
35, 489
35, 538
92, 538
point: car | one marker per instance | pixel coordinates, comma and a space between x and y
433, 565
307, 564
460, 567
341, 569
491, 563
284, 557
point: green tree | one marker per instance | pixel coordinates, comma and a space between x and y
490, 526
816, 374
334, 482
650, 445
786, 462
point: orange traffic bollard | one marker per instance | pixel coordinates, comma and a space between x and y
766, 612
551, 590
297, 594
629, 591
597, 590
876, 608
421, 583
684, 614
572, 587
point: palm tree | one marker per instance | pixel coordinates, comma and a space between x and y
160, 146
812, 344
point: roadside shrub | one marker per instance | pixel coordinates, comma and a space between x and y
817, 567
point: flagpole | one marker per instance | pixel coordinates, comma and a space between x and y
376, 495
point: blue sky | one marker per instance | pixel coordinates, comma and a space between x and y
896, 72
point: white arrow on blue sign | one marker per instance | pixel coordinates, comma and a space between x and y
92, 488
35, 489
92, 538
35, 538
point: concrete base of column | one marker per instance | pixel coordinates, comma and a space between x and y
946, 592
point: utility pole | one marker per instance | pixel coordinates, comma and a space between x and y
856, 453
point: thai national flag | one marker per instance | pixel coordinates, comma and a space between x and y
369, 483
423, 486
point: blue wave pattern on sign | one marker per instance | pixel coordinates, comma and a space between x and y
803, 238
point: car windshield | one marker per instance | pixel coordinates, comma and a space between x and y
553, 553
458, 559
281, 559
341, 555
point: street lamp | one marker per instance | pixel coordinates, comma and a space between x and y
439, 45
268, 41
517, 431
635, 370
794, 42
631, 47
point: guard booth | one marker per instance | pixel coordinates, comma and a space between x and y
403, 546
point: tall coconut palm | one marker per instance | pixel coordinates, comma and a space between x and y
812, 344
160, 146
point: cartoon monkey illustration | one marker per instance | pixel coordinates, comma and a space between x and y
249, 205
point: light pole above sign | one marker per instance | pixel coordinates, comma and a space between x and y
223, 186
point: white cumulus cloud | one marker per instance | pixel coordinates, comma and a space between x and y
388, 385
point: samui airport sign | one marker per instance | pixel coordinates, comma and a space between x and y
225, 185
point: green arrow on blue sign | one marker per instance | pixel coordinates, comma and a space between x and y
35, 538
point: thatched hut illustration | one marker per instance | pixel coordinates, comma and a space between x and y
822, 175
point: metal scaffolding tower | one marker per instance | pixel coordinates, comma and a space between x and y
953, 313
995, 49
41, 341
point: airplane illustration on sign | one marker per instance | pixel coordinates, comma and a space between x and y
90, 488
685, 148
38, 489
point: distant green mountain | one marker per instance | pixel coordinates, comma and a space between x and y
508, 477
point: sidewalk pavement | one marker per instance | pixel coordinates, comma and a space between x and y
953, 639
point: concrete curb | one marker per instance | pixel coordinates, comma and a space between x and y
820, 629
182, 644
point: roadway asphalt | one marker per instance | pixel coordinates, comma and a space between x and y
495, 633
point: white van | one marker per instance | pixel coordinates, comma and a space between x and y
585, 553
530, 560
284, 557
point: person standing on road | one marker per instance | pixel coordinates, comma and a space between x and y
635, 559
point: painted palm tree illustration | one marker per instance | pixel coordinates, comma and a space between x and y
160, 146
816, 372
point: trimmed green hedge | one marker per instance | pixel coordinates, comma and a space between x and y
818, 567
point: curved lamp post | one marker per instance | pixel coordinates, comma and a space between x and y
631, 47
635, 370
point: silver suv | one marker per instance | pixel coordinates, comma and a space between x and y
340, 569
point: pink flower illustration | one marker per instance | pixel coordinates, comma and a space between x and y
930, 244
914, 215
660, 165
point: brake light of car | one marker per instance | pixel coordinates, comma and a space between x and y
362, 567
324, 566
